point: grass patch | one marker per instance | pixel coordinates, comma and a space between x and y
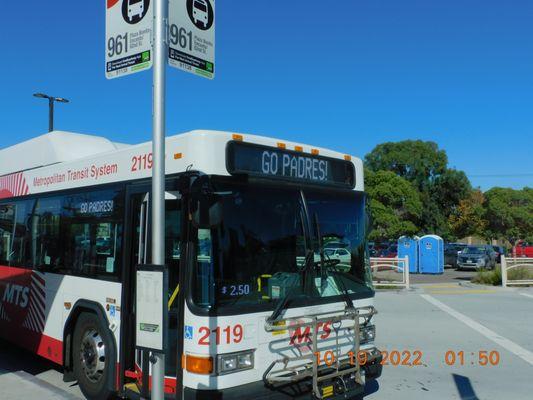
494, 277
380, 287
489, 277
520, 274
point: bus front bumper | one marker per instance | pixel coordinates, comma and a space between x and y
300, 391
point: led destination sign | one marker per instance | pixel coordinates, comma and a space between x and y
269, 162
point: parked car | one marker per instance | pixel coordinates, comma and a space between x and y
523, 249
391, 252
477, 257
499, 250
341, 254
379, 249
451, 252
385, 250
336, 245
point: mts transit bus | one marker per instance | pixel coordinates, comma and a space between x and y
259, 303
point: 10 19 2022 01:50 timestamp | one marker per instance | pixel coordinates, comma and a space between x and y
451, 358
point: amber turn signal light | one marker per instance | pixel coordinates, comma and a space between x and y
199, 365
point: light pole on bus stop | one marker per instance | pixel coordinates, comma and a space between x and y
51, 101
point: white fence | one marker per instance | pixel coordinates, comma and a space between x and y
521, 269
390, 272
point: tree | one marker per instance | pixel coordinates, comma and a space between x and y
395, 205
509, 213
446, 193
415, 160
469, 217
449, 189
425, 166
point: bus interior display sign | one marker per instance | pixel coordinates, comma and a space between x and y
268, 162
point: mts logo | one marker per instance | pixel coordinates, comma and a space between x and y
302, 335
17, 295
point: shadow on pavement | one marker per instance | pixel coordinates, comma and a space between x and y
464, 387
464, 278
13, 359
371, 387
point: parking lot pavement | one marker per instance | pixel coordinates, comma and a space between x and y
26, 376
449, 275
442, 319
429, 321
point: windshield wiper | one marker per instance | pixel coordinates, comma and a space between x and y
306, 268
344, 291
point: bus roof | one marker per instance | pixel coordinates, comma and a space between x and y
52, 148
65, 160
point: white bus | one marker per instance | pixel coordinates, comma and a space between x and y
256, 307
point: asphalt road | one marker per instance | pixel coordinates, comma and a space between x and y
426, 322
435, 319
449, 275
26, 376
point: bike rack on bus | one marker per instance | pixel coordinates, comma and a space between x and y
349, 320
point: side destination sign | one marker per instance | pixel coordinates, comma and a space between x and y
268, 162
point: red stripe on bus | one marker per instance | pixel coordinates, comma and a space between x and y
42, 345
13, 185
39, 278
170, 383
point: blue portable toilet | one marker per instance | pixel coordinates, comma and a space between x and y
431, 255
408, 246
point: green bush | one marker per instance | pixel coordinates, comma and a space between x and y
494, 277
520, 273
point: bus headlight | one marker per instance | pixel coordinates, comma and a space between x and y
367, 334
235, 362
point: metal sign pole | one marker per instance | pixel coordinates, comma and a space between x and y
51, 101
158, 172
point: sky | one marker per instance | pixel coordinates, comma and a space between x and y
346, 75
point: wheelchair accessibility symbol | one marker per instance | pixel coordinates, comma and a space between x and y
188, 332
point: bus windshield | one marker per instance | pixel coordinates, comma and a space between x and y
260, 252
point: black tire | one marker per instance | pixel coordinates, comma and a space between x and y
91, 349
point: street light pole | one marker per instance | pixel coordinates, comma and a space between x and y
51, 114
158, 171
51, 101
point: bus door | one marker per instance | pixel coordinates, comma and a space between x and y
141, 248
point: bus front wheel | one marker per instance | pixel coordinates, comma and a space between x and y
90, 353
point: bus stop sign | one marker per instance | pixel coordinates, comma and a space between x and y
129, 25
151, 316
192, 36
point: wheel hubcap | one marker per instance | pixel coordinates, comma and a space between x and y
92, 355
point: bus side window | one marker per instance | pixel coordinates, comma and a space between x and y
173, 246
204, 277
46, 244
21, 254
7, 215
91, 231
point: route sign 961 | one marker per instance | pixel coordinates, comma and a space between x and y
192, 36
129, 26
